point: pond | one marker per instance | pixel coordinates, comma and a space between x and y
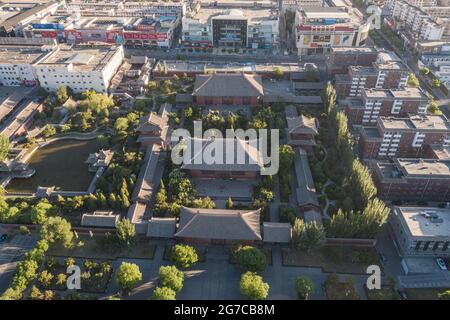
60, 164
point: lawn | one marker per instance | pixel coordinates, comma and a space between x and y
336, 289
333, 259
94, 249
424, 293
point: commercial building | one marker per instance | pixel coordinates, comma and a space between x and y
422, 231
385, 102
404, 137
293, 5
16, 64
14, 15
412, 179
125, 8
387, 72
319, 29
79, 67
244, 24
150, 31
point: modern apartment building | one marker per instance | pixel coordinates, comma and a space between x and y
79, 67
318, 29
224, 24
387, 72
422, 231
341, 58
412, 179
414, 21
406, 137
373, 103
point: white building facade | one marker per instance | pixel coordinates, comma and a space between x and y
80, 68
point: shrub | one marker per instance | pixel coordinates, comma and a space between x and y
171, 277
184, 256
253, 287
164, 293
251, 258
304, 287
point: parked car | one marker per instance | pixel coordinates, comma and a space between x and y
3, 237
441, 263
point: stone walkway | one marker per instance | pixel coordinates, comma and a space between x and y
218, 279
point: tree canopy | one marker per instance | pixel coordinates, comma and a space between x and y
164, 293
251, 258
253, 287
128, 276
171, 277
184, 256
57, 230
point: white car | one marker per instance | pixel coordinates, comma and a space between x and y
441, 263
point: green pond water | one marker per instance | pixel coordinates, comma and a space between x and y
60, 164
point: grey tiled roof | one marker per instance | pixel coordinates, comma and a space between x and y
161, 227
306, 191
220, 224
228, 85
277, 232
253, 160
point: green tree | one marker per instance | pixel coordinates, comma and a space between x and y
171, 277
444, 295
61, 95
161, 199
49, 131
277, 73
57, 230
329, 98
4, 147
45, 278
424, 71
164, 293
128, 276
184, 256
286, 154
253, 287
413, 81
433, 108
436, 83
251, 259
307, 236
362, 187
304, 287
229, 203
126, 232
